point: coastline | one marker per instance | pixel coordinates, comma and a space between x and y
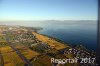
51, 41
63, 43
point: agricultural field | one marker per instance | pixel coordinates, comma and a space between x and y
10, 57
57, 45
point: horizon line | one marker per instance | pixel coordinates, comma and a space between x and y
48, 20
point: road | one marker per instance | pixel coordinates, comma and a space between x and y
19, 54
1, 59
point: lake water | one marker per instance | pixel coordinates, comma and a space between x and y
72, 32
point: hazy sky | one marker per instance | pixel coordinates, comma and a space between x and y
48, 10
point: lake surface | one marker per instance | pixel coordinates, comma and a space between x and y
72, 32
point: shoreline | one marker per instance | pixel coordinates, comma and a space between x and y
51, 41
66, 44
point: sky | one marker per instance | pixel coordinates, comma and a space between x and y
11, 10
